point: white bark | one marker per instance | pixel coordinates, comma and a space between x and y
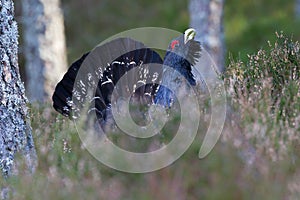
206, 17
15, 131
45, 48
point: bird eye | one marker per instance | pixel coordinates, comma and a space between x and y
174, 44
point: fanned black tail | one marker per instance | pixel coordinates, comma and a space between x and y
62, 95
102, 69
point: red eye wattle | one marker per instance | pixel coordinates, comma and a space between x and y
174, 43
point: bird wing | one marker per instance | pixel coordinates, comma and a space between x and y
105, 66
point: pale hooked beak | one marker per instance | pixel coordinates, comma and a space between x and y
189, 34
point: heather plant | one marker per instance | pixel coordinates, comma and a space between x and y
266, 91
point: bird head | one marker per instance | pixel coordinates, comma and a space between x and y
186, 46
182, 54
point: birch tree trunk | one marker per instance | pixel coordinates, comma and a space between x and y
15, 129
206, 17
297, 9
44, 45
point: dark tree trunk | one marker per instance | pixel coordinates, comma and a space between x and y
44, 45
15, 129
206, 16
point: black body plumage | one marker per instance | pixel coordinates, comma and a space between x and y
151, 69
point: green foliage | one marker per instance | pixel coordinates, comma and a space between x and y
274, 72
266, 91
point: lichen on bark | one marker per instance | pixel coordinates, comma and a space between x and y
15, 131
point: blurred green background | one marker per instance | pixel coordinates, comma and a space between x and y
248, 24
